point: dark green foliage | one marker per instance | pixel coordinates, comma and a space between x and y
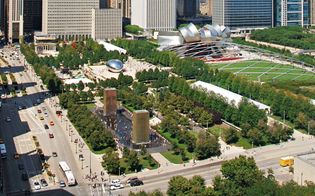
134, 29
230, 136
88, 125
297, 37
111, 162
308, 59
206, 146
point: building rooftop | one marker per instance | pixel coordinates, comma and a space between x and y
111, 47
232, 98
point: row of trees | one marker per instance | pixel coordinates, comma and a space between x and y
121, 82
45, 72
252, 120
149, 75
69, 98
88, 125
297, 37
72, 56
283, 103
240, 177
176, 123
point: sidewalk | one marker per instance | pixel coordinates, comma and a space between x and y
91, 163
161, 159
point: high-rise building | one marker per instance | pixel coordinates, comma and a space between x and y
157, 15
312, 12
15, 19
68, 19
292, 12
186, 8
102, 19
206, 8
80, 19
140, 127
3, 15
110, 102
240, 14
32, 16
124, 5
20, 17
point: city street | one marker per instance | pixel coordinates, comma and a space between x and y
18, 133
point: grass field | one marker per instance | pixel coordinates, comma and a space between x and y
265, 71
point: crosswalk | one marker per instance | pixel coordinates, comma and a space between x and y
98, 189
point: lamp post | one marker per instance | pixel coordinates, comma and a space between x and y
90, 164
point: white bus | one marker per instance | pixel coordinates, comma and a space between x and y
67, 173
3, 151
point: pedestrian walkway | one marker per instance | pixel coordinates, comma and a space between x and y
161, 159
90, 165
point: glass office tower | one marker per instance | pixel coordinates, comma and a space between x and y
243, 13
292, 12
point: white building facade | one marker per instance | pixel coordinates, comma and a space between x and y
68, 19
157, 15
106, 23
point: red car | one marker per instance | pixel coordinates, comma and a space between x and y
51, 135
51, 123
39, 111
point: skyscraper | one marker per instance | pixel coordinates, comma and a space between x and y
32, 16
80, 19
312, 12
292, 12
124, 5
243, 13
15, 19
68, 19
154, 14
186, 8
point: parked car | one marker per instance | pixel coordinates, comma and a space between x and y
16, 155
36, 185
54, 154
62, 183
51, 135
8, 119
131, 178
81, 158
43, 182
51, 123
46, 126
136, 182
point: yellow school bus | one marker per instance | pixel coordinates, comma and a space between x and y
286, 161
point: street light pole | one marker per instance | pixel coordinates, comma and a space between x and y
90, 165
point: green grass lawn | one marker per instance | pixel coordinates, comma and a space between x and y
90, 106
176, 159
243, 142
169, 155
217, 130
266, 71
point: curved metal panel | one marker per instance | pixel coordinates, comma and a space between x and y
115, 65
